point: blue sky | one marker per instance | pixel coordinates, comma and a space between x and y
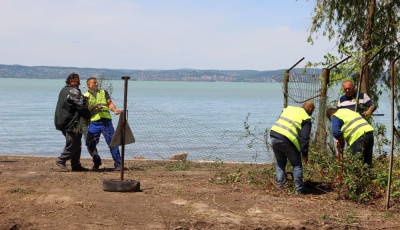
159, 34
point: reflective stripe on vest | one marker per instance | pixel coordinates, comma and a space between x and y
354, 125
99, 99
289, 124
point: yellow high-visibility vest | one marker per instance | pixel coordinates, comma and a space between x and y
99, 99
354, 125
289, 123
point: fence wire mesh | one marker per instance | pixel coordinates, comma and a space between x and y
302, 86
159, 140
306, 85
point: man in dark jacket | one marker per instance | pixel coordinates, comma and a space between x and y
71, 108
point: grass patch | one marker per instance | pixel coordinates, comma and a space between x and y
179, 166
228, 176
261, 176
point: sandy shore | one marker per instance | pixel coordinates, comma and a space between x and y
35, 194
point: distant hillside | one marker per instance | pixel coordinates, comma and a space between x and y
48, 72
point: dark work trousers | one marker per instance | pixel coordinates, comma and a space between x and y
284, 150
72, 149
365, 145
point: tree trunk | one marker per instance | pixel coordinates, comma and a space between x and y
367, 45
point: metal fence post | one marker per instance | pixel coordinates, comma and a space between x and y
123, 131
393, 131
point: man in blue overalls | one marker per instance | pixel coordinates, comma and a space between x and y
100, 105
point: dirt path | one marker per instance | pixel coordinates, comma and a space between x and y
34, 194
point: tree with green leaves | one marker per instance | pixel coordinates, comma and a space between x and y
363, 25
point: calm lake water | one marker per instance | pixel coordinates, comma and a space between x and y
204, 119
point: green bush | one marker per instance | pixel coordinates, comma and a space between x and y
360, 184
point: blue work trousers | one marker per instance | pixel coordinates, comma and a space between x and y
103, 126
284, 150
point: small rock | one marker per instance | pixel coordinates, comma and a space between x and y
179, 156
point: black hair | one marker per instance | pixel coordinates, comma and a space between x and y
71, 77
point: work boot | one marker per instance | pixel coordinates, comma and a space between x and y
79, 169
95, 167
62, 166
301, 192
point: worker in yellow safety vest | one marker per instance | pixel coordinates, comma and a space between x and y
100, 104
351, 127
290, 137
